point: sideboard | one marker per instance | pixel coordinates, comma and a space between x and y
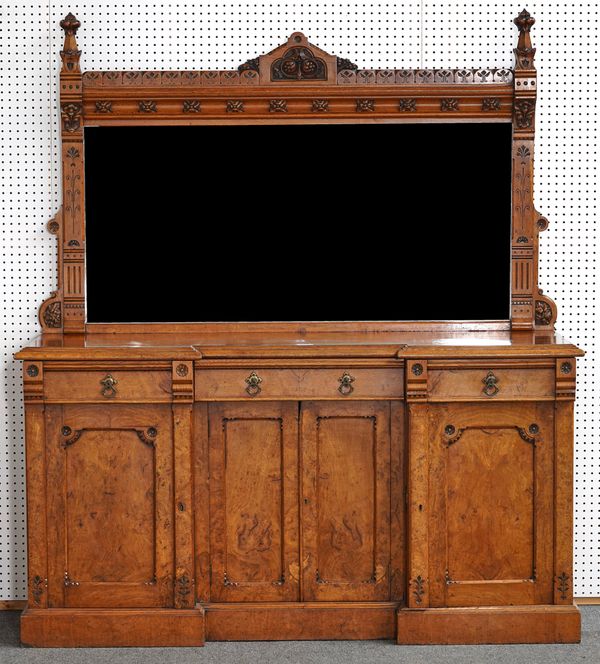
407, 480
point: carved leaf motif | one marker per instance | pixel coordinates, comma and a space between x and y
543, 313
346, 536
524, 110
252, 535
235, 106
490, 104
449, 104
191, 106
71, 116
365, 105
147, 106
563, 584
407, 105
53, 315
104, 106
320, 105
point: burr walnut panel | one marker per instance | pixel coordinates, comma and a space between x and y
490, 383
108, 386
491, 495
299, 383
111, 506
346, 500
254, 502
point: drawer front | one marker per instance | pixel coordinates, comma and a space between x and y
107, 386
492, 383
298, 384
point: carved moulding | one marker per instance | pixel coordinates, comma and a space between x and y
163, 96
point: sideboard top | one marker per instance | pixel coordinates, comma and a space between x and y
299, 344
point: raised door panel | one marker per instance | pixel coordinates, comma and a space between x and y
346, 501
110, 487
491, 487
253, 459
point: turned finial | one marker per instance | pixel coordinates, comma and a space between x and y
70, 54
70, 24
524, 53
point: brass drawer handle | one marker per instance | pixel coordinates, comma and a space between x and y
108, 386
253, 381
490, 383
345, 382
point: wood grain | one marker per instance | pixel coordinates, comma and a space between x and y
254, 501
112, 628
510, 624
346, 501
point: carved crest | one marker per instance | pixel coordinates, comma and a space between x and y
297, 61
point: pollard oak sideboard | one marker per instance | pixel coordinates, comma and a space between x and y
222, 480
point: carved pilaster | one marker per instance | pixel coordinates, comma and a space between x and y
563, 480
72, 227
33, 382
416, 380
182, 375
529, 308
566, 378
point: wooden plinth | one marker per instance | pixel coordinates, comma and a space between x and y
107, 628
496, 624
301, 621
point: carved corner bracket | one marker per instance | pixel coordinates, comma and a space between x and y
50, 311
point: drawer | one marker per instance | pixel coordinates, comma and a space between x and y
298, 384
490, 383
97, 386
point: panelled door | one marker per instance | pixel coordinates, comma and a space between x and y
110, 495
254, 526
345, 448
490, 484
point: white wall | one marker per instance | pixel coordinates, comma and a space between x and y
192, 34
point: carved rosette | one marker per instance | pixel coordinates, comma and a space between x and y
299, 64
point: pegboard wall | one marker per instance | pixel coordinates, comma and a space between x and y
191, 34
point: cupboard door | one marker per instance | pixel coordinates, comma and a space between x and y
346, 500
491, 492
110, 491
253, 459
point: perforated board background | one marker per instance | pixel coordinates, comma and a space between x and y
194, 34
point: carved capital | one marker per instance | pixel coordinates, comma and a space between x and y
71, 116
416, 380
182, 376
524, 113
566, 379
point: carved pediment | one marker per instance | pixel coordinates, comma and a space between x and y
297, 61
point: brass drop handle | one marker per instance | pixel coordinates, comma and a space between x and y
253, 384
490, 385
108, 386
345, 382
